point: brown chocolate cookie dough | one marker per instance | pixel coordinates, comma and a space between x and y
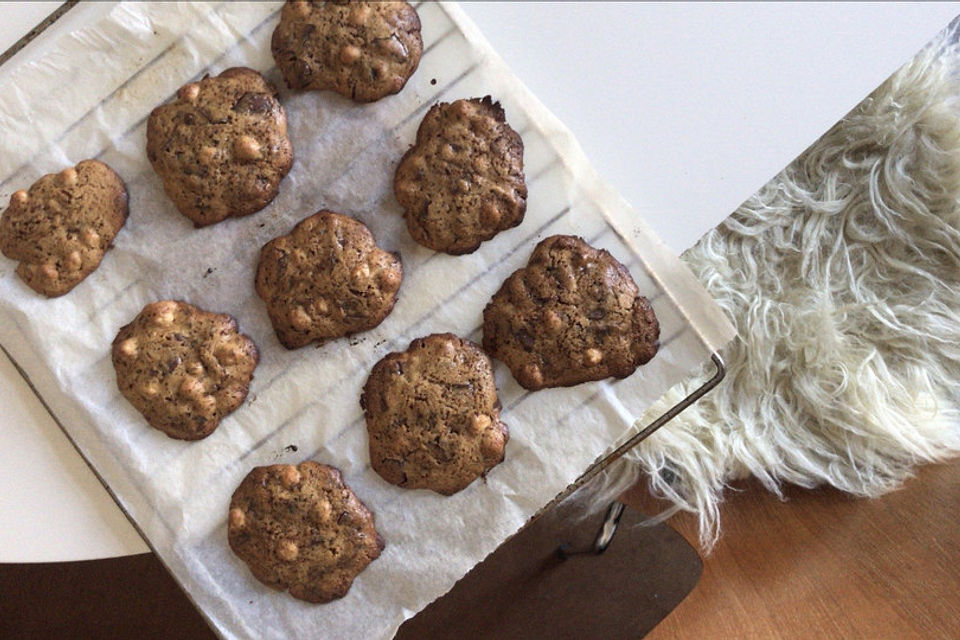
183, 368
572, 315
361, 50
60, 229
300, 528
326, 279
433, 415
462, 182
221, 147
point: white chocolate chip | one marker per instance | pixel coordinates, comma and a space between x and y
349, 54
299, 318
479, 423
361, 272
207, 154
322, 511
407, 189
90, 238
189, 92
69, 177
49, 272
389, 278
301, 8
359, 15
164, 313
287, 551
237, 518
191, 387
533, 374
129, 348
74, 261
18, 197
491, 443
552, 321
592, 356
448, 349
290, 476
246, 148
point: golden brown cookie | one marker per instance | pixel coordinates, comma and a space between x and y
300, 528
183, 368
326, 279
221, 148
433, 415
572, 315
462, 182
361, 50
63, 225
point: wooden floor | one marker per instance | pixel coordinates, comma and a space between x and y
824, 565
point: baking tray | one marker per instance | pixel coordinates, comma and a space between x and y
176, 494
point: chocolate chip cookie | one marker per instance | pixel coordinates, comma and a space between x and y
326, 279
60, 229
462, 182
433, 415
572, 315
221, 148
361, 50
300, 528
183, 368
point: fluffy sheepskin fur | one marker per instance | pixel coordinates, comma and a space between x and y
842, 275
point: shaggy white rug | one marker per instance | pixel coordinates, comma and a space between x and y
842, 275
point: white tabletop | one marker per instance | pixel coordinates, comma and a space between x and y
710, 101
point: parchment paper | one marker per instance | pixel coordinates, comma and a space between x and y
89, 96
